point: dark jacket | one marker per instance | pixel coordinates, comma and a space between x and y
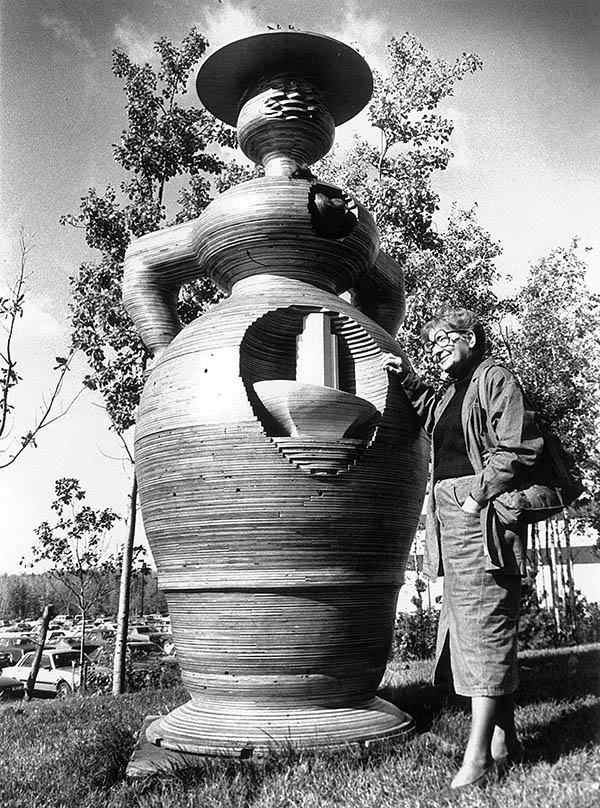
503, 443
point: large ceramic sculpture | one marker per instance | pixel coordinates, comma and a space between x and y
281, 472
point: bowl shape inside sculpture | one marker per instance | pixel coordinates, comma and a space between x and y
300, 408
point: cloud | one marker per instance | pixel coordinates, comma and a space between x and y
9, 255
368, 35
461, 140
135, 40
229, 21
65, 30
38, 324
359, 125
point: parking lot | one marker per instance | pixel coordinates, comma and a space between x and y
67, 667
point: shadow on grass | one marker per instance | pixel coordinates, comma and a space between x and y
557, 690
561, 688
575, 728
559, 674
422, 701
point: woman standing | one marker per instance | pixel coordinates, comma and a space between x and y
484, 440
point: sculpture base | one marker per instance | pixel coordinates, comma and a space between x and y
195, 728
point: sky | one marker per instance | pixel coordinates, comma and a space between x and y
525, 150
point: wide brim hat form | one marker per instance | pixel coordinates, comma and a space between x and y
342, 75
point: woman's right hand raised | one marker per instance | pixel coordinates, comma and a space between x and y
394, 363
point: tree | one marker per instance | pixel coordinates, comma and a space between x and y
163, 140
20, 599
75, 549
461, 271
394, 180
11, 312
552, 343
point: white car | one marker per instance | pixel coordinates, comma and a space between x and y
59, 673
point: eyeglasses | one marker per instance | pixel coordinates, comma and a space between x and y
443, 339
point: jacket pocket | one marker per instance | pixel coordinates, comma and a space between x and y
461, 489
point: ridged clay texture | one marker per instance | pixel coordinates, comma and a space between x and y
280, 545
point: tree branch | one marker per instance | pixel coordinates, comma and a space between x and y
13, 308
45, 419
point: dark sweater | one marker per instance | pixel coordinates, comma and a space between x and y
449, 447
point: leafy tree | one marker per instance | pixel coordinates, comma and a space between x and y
461, 271
75, 548
552, 343
394, 180
20, 597
163, 140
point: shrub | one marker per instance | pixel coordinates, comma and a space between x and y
537, 627
575, 623
415, 634
166, 674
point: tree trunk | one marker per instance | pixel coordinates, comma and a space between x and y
82, 654
551, 560
536, 562
124, 594
143, 582
572, 616
38, 653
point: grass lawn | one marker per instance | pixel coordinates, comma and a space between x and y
73, 753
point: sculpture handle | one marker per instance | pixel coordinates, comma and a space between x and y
156, 265
379, 293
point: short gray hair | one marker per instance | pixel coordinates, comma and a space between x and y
456, 318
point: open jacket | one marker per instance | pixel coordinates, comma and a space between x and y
503, 443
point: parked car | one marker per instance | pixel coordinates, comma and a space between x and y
147, 665
16, 646
10, 688
55, 635
146, 654
144, 634
74, 643
59, 673
140, 656
22, 626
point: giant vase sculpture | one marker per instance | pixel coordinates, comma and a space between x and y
281, 472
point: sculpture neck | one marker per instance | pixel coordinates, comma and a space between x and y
280, 166
284, 121
275, 284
